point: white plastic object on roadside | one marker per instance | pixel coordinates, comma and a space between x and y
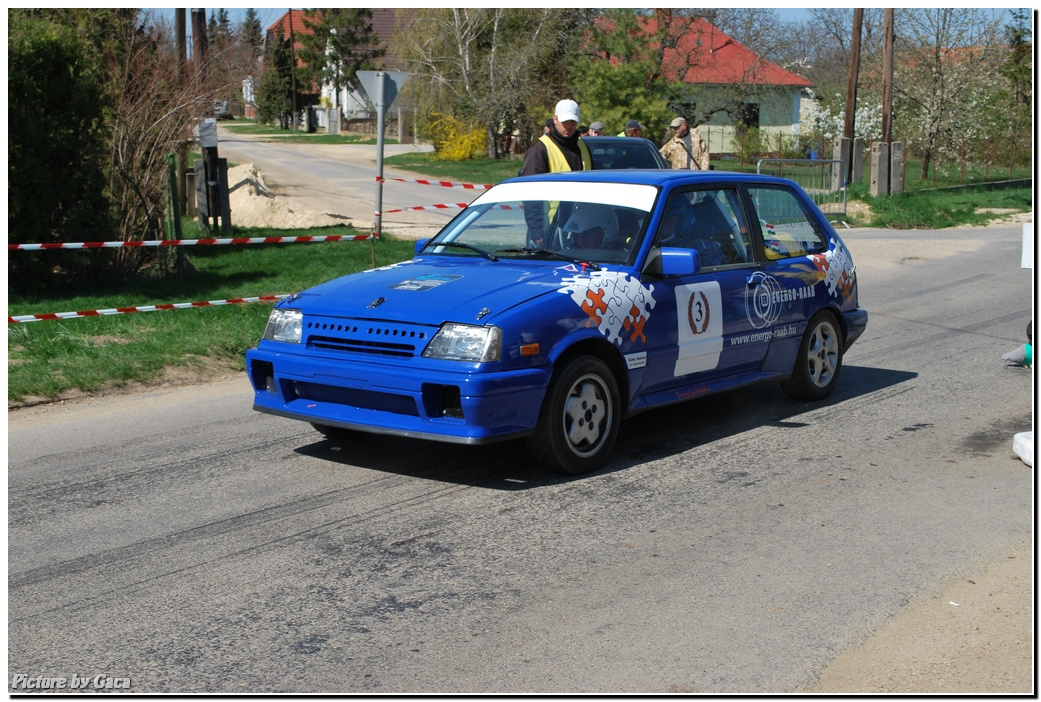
1027, 259
1023, 446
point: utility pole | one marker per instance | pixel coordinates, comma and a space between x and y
181, 20
292, 63
854, 74
181, 157
849, 130
889, 39
200, 45
207, 127
887, 156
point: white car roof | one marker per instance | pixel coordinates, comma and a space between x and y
640, 197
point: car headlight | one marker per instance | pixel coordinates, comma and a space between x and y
284, 325
466, 342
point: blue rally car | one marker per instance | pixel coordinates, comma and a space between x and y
554, 306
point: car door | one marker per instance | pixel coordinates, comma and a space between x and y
797, 272
701, 330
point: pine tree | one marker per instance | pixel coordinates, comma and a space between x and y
275, 94
251, 36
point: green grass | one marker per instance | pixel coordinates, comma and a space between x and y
940, 209
948, 175
937, 203
478, 170
251, 127
47, 358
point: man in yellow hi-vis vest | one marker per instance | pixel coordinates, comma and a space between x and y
559, 151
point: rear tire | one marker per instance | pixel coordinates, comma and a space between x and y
578, 424
819, 360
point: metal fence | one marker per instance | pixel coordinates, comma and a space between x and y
822, 179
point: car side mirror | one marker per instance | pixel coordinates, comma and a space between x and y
676, 261
419, 246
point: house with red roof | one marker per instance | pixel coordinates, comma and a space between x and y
385, 22
291, 23
731, 86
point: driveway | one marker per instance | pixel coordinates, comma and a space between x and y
341, 179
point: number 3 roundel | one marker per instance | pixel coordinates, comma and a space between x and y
698, 312
699, 327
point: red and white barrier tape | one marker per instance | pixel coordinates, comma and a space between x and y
445, 206
442, 183
257, 240
19, 319
188, 242
441, 206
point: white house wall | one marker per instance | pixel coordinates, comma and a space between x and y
779, 110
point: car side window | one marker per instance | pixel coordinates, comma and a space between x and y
788, 230
710, 221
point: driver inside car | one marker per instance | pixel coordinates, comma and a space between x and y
679, 228
677, 224
591, 226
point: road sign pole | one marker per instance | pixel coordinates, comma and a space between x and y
381, 109
381, 87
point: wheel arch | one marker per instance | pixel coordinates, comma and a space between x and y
841, 320
607, 352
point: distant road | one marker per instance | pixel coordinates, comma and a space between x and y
342, 179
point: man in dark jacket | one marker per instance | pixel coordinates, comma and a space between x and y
558, 151
561, 142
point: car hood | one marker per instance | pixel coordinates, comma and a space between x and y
424, 292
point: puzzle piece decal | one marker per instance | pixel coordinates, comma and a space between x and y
836, 269
617, 304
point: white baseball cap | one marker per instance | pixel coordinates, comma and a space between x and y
566, 110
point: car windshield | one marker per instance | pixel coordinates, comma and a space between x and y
580, 222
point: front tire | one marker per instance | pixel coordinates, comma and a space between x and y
578, 424
819, 361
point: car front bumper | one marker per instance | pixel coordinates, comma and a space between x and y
468, 406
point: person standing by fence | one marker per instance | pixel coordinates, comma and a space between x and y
686, 149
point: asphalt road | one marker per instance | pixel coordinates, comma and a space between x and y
736, 543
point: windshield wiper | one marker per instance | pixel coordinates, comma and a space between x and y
461, 245
551, 254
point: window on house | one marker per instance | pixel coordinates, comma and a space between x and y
748, 114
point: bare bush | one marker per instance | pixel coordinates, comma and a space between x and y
153, 112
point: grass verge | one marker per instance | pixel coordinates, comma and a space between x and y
939, 209
47, 359
476, 170
246, 126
